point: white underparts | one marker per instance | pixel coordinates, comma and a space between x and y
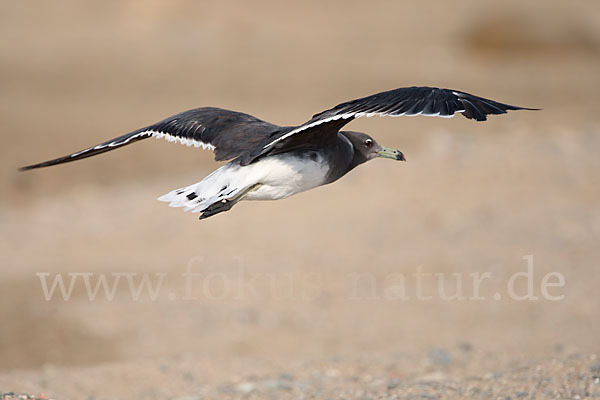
279, 177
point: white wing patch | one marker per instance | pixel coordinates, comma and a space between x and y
350, 115
171, 138
183, 140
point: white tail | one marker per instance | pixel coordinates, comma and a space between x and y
222, 184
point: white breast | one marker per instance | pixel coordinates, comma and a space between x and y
284, 175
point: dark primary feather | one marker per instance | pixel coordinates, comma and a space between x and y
403, 101
231, 133
421, 100
92, 151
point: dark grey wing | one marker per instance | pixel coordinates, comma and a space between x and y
228, 133
404, 101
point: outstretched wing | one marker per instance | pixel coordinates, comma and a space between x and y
228, 133
409, 101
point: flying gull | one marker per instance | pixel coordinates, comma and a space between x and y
270, 162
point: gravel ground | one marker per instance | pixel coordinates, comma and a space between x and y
22, 396
441, 374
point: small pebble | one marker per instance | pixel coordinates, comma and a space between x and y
277, 384
393, 383
465, 347
285, 376
246, 387
226, 388
440, 356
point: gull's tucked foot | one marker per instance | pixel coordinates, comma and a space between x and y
216, 208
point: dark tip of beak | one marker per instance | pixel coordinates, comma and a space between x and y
394, 154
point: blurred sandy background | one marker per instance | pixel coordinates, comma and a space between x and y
473, 197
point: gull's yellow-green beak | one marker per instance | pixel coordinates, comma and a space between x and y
391, 153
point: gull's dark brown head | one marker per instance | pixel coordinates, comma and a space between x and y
366, 148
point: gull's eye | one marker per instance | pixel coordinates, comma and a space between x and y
368, 142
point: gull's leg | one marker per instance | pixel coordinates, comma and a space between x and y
226, 205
